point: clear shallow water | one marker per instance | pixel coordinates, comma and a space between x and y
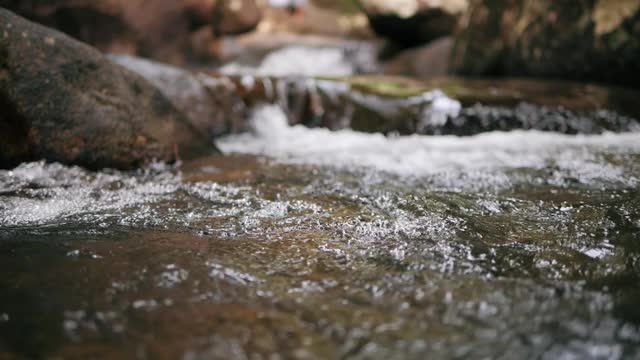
310, 244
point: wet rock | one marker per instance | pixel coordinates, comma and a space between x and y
479, 119
208, 106
395, 105
169, 33
424, 62
61, 100
362, 103
593, 40
509, 92
413, 22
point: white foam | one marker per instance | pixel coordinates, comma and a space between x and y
183, 85
490, 153
39, 194
298, 61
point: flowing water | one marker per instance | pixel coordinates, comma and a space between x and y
304, 243
347, 59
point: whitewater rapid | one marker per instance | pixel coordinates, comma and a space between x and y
491, 154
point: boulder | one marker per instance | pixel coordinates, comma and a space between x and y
170, 31
595, 40
413, 22
423, 62
61, 100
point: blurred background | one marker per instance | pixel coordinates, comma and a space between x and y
481, 198
584, 40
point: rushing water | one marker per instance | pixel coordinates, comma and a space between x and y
347, 59
304, 243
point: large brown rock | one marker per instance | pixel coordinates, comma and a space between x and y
167, 30
61, 100
208, 106
413, 22
597, 40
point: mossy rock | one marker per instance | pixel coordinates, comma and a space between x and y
586, 40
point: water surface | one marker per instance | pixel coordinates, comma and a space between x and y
308, 244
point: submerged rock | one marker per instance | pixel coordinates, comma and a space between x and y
479, 118
413, 22
61, 100
593, 40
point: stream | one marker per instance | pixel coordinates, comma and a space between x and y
306, 243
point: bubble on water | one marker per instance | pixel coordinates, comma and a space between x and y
306, 287
172, 276
73, 253
143, 304
81, 324
598, 253
224, 273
